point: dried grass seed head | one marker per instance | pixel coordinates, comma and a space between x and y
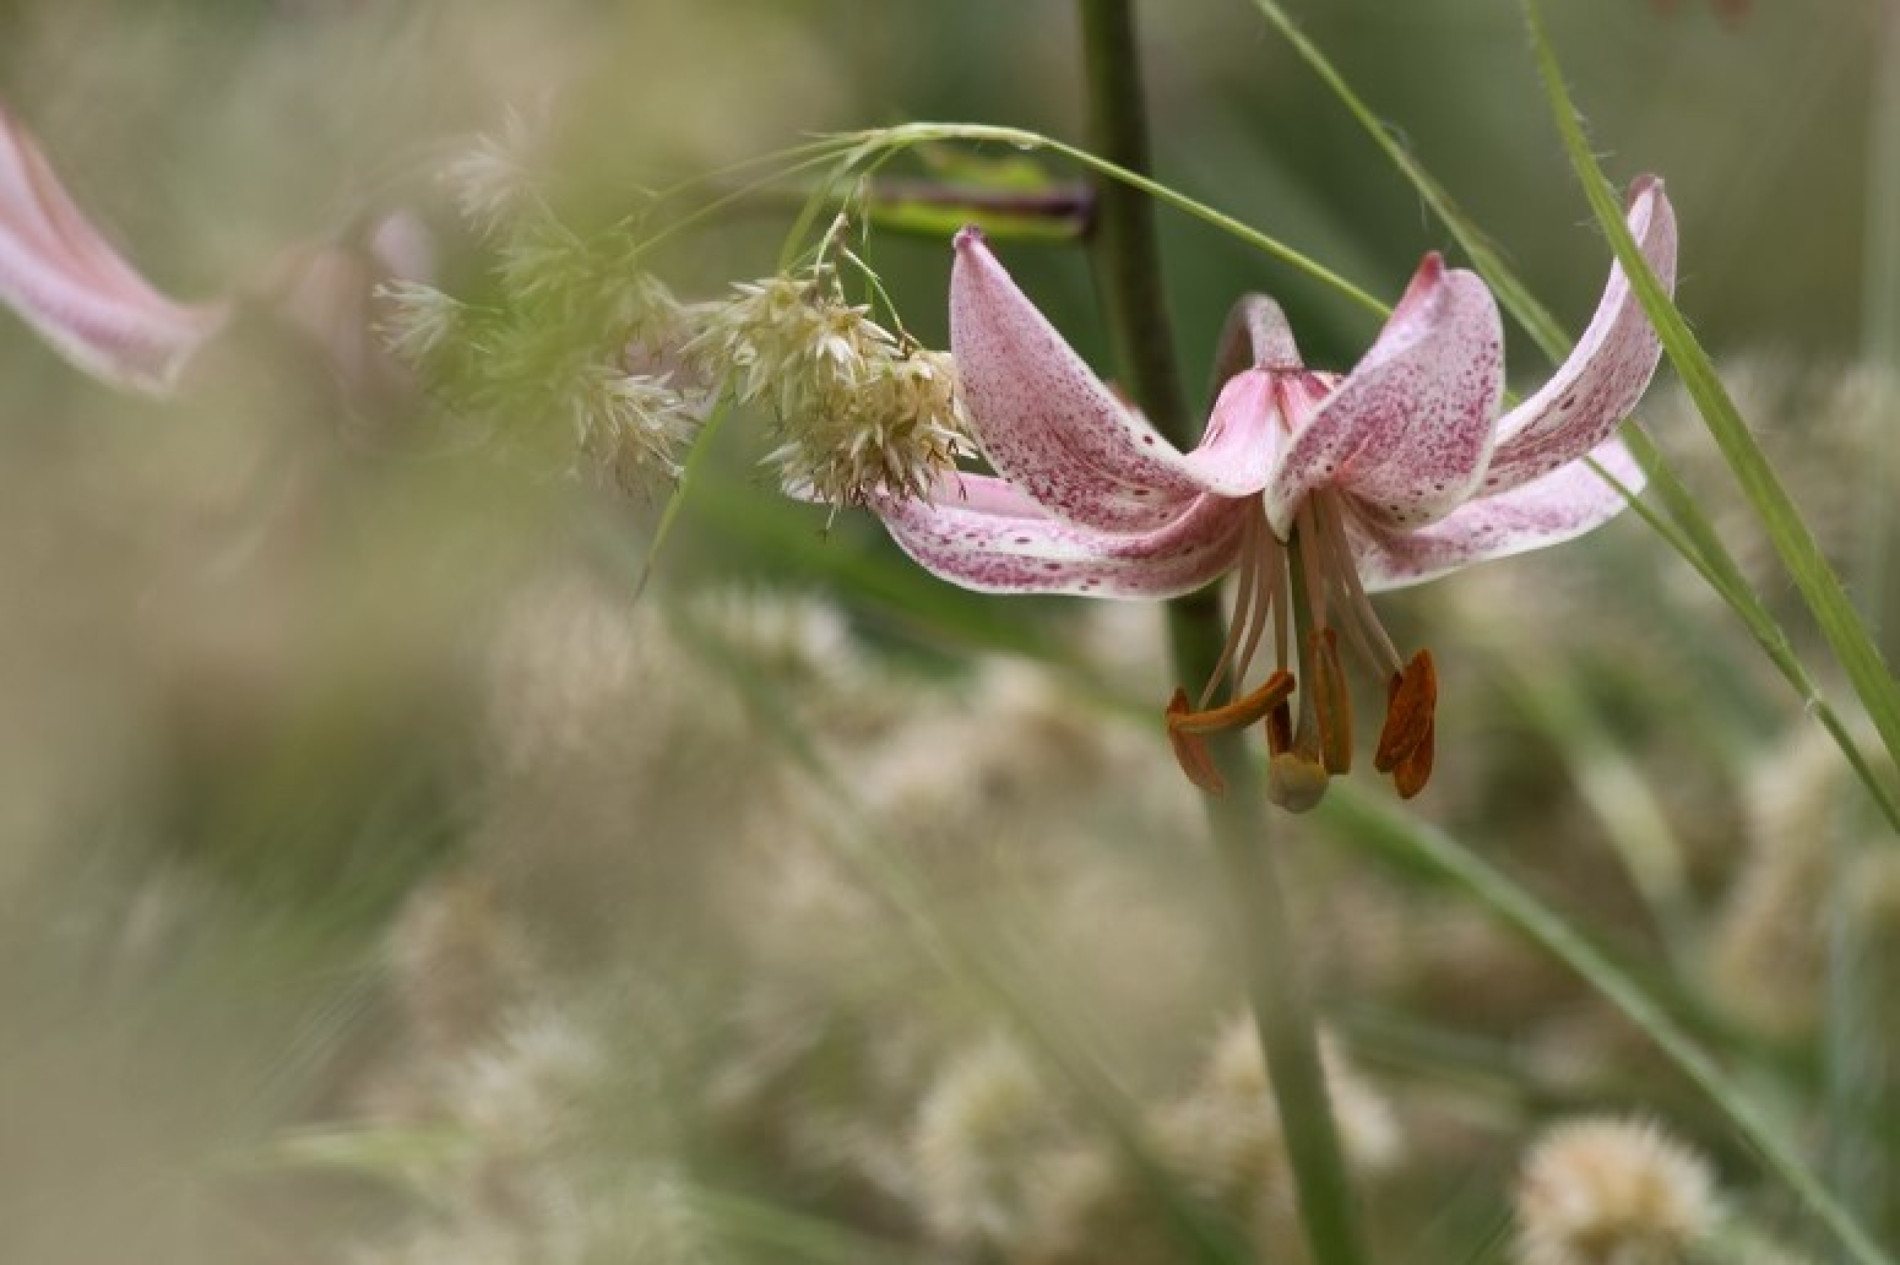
979, 1138
860, 411
417, 320
1601, 1191
492, 181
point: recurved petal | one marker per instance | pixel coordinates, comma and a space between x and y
1256, 336
982, 534
1408, 432
1607, 372
66, 281
1050, 426
1559, 506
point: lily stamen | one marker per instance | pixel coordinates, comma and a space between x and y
1360, 620
1307, 590
1406, 743
1249, 612
1186, 728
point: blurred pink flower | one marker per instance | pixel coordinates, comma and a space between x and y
68, 283
1316, 487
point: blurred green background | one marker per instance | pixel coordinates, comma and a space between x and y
253, 730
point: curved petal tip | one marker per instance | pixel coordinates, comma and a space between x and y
1431, 271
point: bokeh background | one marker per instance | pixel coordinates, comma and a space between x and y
380, 882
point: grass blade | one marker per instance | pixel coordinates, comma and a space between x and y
1357, 820
1685, 527
1820, 586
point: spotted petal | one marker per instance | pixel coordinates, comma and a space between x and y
980, 533
1050, 426
1607, 372
1549, 510
1408, 432
66, 281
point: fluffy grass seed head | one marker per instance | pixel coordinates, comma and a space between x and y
417, 320
457, 962
977, 1142
577, 334
1768, 944
1600, 1191
861, 411
633, 426
492, 180
1226, 1138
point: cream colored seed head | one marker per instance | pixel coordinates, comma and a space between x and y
860, 412
976, 1145
1612, 1192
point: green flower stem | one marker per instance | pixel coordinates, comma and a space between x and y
1129, 276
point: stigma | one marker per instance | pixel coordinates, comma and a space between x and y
1303, 595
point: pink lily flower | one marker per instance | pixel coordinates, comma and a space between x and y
67, 282
1316, 488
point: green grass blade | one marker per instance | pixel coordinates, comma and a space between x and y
676, 500
1356, 819
1820, 587
912, 134
1685, 527
1699, 546
983, 965
1515, 296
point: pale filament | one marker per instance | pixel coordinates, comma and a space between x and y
1332, 556
1257, 600
1307, 591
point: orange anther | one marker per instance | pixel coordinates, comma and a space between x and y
1411, 699
1239, 714
1189, 751
1415, 768
1186, 727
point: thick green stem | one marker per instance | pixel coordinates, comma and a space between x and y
1128, 276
